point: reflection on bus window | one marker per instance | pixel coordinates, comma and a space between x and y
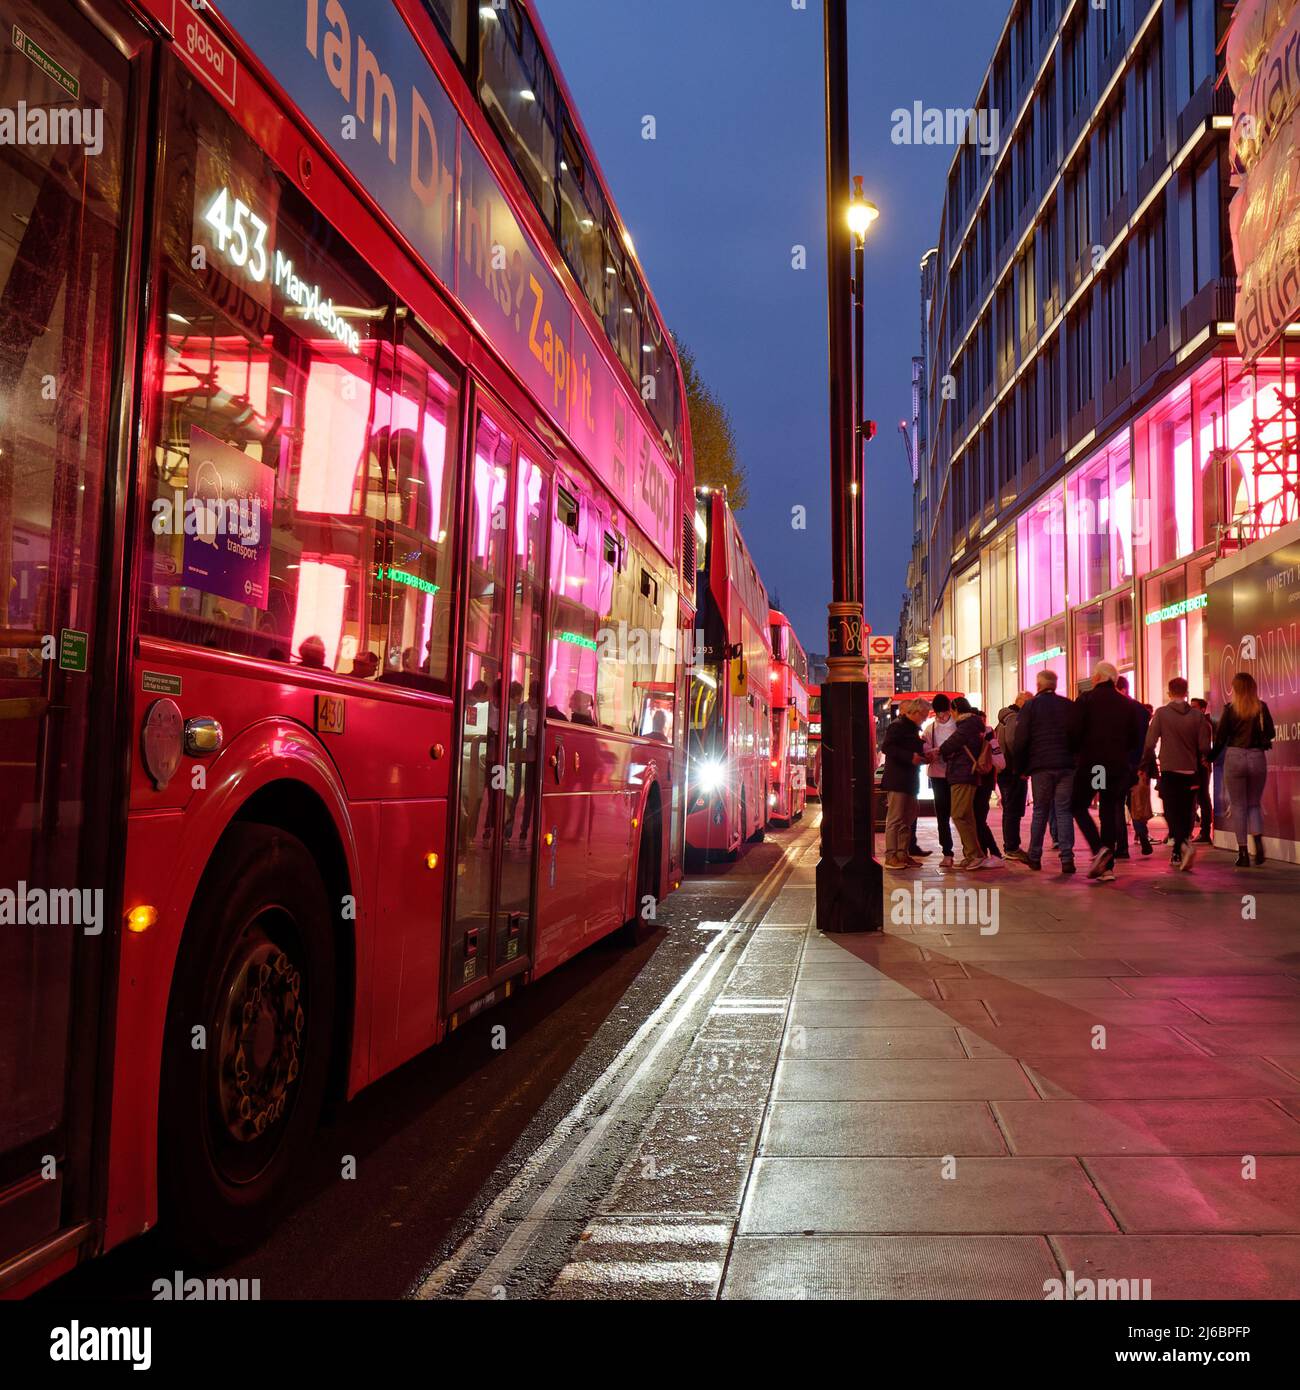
302, 478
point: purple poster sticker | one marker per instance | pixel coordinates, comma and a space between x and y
228, 510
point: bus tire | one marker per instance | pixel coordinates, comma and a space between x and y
256, 972
637, 928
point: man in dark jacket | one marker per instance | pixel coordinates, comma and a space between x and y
960, 755
1104, 731
1012, 787
901, 779
1043, 752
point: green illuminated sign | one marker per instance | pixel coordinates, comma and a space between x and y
576, 640
1044, 656
412, 581
1177, 610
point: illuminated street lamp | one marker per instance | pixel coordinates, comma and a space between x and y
850, 881
862, 212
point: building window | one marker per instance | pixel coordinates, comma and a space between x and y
1030, 393
1114, 163
1194, 46
1025, 160
1076, 69
1052, 387
1202, 210
1078, 215
1049, 265
1047, 120
1116, 299
1080, 348
1026, 296
1150, 102
1040, 559
1153, 289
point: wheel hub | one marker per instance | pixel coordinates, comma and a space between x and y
261, 1037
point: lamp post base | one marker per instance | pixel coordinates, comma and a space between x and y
850, 880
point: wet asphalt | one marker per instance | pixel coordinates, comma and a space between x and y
436, 1142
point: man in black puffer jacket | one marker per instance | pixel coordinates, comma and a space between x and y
1105, 729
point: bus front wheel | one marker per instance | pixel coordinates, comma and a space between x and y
247, 1044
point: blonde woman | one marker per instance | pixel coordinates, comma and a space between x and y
1246, 733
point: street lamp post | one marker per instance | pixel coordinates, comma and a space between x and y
862, 214
849, 880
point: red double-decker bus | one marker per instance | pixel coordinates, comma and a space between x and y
789, 761
730, 702
814, 742
345, 565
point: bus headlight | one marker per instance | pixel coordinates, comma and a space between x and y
710, 776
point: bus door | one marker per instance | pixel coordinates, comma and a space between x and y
60, 304
501, 726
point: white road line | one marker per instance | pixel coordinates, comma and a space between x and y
642, 1272
588, 1103
658, 1233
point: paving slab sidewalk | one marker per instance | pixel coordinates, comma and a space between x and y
1107, 1085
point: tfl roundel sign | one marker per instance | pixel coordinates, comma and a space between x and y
880, 649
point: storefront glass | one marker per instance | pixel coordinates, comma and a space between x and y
1043, 649
1040, 559
1174, 622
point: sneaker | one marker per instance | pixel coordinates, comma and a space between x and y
917, 852
1174, 859
1101, 861
896, 863
976, 861
1018, 855
1067, 866
1189, 858
915, 863
1106, 877
1035, 864
946, 862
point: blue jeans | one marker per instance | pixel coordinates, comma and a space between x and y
1052, 793
1245, 772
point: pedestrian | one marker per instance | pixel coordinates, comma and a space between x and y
967, 758
1012, 786
1043, 752
1243, 738
904, 753
937, 732
1136, 794
1182, 734
984, 791
1105, 728
1204, 812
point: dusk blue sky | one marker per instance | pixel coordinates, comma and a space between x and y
735, 179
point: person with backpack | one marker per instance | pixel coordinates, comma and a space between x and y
1244, 736
940, 728
1013, 789
1182, 734
1104, 730
967, 759
987, 785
